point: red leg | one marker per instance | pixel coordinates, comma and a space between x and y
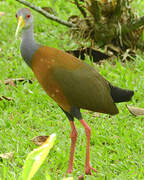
73, 142
88, 168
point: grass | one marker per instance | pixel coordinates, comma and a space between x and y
117, 144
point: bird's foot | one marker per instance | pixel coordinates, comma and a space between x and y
88, 170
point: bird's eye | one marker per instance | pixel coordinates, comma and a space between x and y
28, 16
16, 16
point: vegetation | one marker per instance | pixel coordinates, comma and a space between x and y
111, 25
117, 144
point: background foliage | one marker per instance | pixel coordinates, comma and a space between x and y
117, 144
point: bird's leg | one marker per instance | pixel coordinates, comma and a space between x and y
88, 168
73, 142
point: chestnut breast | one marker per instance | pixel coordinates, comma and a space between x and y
44, 61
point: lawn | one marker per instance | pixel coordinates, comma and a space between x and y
117, 145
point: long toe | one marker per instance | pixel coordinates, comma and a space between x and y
88, 170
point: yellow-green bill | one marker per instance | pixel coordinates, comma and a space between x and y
21, 24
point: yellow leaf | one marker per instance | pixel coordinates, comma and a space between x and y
36, 158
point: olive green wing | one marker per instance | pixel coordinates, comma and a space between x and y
85, 88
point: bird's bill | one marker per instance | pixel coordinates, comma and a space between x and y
21, 24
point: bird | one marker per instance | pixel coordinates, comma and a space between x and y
70, 82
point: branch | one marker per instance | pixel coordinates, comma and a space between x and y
83, 13
46, 14
133, 26
81, 9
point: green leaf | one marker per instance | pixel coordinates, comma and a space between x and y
36, 158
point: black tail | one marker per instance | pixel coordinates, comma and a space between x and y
120, 95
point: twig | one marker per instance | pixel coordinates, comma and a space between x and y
46, 14
83, 13
81, 9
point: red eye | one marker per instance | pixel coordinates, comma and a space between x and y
16, 15
28, 16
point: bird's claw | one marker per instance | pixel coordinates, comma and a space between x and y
88, 170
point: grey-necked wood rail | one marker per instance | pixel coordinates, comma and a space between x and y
72, 83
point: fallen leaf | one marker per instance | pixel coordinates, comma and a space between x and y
11, 116
9, 155
13, 81
39, 140
135, 110
2, 13
6, 98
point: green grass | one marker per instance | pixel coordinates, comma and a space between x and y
117, 144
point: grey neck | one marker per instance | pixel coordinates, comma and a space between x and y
28, 45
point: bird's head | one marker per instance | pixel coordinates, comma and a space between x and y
24, 18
